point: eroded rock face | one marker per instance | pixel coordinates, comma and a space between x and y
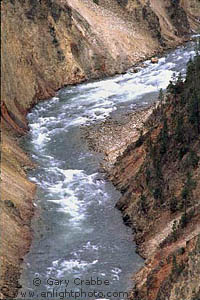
159, 178
48, 44
178, 18
16, 211
192, 8
174, 277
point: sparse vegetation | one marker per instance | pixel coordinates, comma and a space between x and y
144, 204
177, 268
172, 147
179, 131
174, 230
173, 204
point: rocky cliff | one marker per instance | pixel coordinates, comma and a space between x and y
159, 177
48, 44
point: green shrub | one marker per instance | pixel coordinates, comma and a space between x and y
157, 193
173, 204
174, 231
192, 160
183, 220
144, 204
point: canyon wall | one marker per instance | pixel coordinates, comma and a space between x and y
159, 177
46, 45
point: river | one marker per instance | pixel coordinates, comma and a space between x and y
80, 242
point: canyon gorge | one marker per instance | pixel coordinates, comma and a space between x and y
48, 45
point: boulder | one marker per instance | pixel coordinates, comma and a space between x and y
154, 60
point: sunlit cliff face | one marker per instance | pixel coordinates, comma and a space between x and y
77, 40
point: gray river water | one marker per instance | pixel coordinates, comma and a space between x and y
78, 234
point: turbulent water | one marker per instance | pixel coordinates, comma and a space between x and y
80, 243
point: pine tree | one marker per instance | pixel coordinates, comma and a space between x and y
194, 114
164, 137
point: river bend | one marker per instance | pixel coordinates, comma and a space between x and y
78, 234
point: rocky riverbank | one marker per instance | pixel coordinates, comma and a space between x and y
112, 136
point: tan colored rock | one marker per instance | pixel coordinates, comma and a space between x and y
154, 60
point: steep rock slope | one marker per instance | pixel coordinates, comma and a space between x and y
159, 176
16, 211
46, 45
